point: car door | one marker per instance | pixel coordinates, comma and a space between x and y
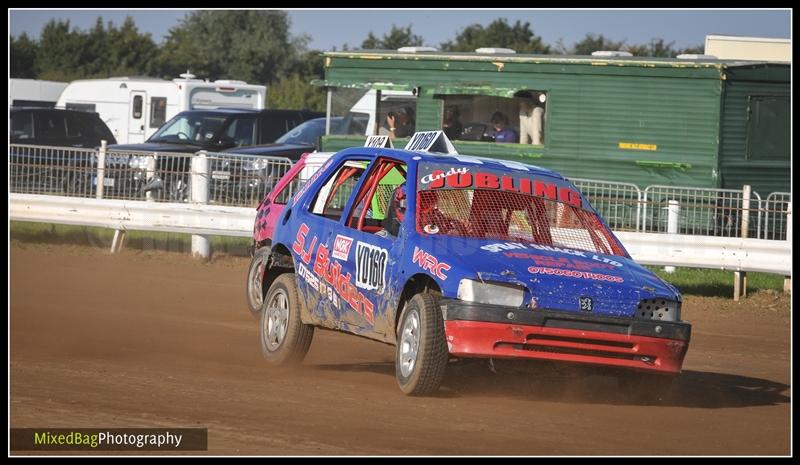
370, 243
328, 288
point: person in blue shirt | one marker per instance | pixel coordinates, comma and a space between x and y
503, 133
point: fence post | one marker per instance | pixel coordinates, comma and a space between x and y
150, 171
201, 247
673, 213
740, 277
101, 169
787, 280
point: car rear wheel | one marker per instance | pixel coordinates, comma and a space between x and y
644, 387
421, 354
284, 338
255, 280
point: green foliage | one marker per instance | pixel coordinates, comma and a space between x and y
499, 33
65, 54
253, 46
396, 38
716, 283
23, 57
594, 42
296, 93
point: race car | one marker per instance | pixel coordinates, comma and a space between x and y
452, 256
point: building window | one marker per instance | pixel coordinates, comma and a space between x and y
158, 111
768, 132
518, 119
138, 103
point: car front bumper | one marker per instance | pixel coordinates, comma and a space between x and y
479, 330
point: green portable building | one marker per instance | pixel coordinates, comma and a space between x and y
682, 122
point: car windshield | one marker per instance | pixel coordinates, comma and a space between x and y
190, 128
508, 215
309, 132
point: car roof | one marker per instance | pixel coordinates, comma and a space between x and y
59, 110
491, 163
248, 111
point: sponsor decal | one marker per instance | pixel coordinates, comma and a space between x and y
370, 266
310, 181
515, 246
438, 175
585, 304
565, 262
431, 141
485, 180
378, 142
341, 247
575, 274
326, 275
430, 263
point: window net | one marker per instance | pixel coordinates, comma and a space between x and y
512, 216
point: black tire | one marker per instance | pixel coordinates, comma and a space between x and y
424, 374
644, 387
292, 346
254, 289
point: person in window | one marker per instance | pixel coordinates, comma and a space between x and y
531, 120
395, 213
451, 125
400, 123
503, 133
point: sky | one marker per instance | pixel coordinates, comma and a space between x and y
333, 28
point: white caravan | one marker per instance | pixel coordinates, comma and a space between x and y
135, 107
34, 92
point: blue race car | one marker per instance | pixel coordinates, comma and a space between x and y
445, 255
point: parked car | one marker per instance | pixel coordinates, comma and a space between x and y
222, 130
62, 128
41, 170
452, 256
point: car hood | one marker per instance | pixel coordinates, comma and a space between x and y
554, 277
156, 147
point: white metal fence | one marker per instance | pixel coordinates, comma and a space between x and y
235, 180
230, 179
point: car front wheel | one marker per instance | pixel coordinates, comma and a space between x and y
421, 354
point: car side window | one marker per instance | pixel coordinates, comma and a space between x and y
242, 131
52, 125
74, 126
272, 127
158, 111
282, 197
332, 197
22, 125
381, 203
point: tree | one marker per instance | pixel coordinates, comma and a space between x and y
696, 50
594, 42
249, 45
499, 33
295, 92
656, 48
396, 38
22, 53
60, 52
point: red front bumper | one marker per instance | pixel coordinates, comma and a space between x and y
503, 340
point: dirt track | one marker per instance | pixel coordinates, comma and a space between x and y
156, 340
